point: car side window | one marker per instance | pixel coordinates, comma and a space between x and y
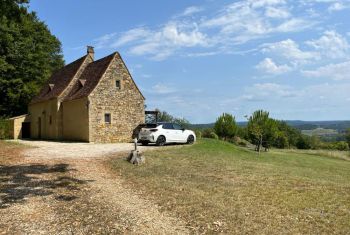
168, 126
177, 127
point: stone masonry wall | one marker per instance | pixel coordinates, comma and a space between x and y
126, 106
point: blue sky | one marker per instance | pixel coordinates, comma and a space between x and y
198, 59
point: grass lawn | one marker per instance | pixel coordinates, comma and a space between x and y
216, 186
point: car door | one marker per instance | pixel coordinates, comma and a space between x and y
170, 134
179, 133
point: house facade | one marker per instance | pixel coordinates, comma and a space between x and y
87, 100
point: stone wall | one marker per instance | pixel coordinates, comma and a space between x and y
126, 105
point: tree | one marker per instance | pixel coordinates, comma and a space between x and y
29, 53
225, 126
261, 129
163, 116
347, 136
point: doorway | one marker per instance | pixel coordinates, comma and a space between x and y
25, 130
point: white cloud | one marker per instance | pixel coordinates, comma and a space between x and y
131, 36
331, 44
338, 6
290, 50
265, 91
274, 12
162, 89
269, 66
340, 71
191, 10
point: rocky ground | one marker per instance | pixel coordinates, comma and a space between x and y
67, 188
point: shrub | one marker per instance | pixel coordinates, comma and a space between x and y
4, 129
303, 143
206, 133
341, 145
213, 135
198, 134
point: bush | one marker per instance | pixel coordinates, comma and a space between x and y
4, 129
341, 146
206, 133
212, 135
198, 134
303, 143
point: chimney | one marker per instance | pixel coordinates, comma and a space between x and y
90, 51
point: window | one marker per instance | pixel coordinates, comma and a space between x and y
117, 84
50, 120
177, 127
168, 126
107, 118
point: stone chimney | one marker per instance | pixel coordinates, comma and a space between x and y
90, 51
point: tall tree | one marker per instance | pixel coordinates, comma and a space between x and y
261, 129
225, 126
29, 53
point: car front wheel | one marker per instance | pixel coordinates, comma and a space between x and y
190, 139
161, 140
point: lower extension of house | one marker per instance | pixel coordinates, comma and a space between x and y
86, 100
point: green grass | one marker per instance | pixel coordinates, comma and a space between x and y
277, 192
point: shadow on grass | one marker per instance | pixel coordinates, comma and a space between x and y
19, 182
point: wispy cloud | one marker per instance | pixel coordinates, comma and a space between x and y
331, 44
340, 71
270, 67
202, 33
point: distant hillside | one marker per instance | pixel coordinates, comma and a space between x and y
339, 126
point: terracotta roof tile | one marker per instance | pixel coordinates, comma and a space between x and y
59, 81
92, 75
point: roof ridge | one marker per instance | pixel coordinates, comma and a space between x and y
90, 79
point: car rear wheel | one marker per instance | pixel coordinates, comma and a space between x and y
161, 140
190, 139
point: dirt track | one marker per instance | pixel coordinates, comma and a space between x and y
70, 190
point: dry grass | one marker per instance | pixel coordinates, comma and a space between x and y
217, 187
10, 151
345, 155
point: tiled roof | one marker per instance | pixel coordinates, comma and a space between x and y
92, 75
59, 81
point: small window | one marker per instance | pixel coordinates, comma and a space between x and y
117, 84
50, 119
168, 126
107, 118
177, 127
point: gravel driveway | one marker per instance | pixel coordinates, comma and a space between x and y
70, 188
53, 149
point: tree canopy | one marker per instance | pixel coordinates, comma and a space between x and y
29, 53
225, 126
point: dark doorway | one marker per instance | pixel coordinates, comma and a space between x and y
39, 128
25, 130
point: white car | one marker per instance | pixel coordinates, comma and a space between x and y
163, 133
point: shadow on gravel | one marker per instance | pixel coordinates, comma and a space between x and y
19, 182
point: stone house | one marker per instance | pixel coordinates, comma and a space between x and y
87, 100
